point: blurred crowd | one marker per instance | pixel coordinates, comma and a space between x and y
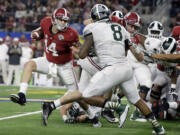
25, 15
174, 13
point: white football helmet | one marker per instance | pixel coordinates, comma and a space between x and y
155, 30
169, 46
100, 12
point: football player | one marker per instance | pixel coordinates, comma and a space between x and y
171, 57
108, 40
58, 38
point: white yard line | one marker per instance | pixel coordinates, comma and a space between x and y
20, 115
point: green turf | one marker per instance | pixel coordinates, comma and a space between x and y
31, 125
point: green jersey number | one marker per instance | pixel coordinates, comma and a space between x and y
116, 32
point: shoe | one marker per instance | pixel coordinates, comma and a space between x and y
96, 123
46, 111
109, 116
159, 130
19, 98
123, 112
137, 116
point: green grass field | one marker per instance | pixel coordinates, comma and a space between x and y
31, 124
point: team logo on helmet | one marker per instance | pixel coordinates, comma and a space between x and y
99, 12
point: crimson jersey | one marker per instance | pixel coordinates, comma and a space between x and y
57, 46
135, 39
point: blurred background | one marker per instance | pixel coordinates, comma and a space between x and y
19, 17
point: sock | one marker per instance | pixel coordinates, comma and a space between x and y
23, 87
57, 103
173, 86
152, 119
173, 105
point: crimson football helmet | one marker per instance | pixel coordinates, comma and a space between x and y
117, 16
133, 18
63, 15
155, 30
176, 33
100, 12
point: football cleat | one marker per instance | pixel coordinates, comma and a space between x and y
46, 111
123, 112
96, 123
109, 116
158, 130
19, 98
137, 116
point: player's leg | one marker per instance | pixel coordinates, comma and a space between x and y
94, 88
132, 95
143, 76
17, 75
10, 74
31, 66
159, 82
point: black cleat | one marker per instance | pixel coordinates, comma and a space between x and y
46, 111
96, 123
19, 98
109, 116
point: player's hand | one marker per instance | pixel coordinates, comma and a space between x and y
35, 35
75, 51
70, 121
147, 53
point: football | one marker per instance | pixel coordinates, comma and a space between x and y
37, 35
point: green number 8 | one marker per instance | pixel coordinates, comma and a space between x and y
116, 32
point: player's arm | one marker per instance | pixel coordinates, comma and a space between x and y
85, 48
87, 21
135, 51
37, 34
167, 57
142, 39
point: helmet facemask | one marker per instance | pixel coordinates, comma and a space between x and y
155, 30
61, 24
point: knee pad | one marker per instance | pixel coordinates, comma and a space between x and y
144, 89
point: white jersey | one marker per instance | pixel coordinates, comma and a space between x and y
110, 48
3, 52
27, 52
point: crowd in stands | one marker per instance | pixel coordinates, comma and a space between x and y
25, 15
174, 13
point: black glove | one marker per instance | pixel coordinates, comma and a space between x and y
127, 44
